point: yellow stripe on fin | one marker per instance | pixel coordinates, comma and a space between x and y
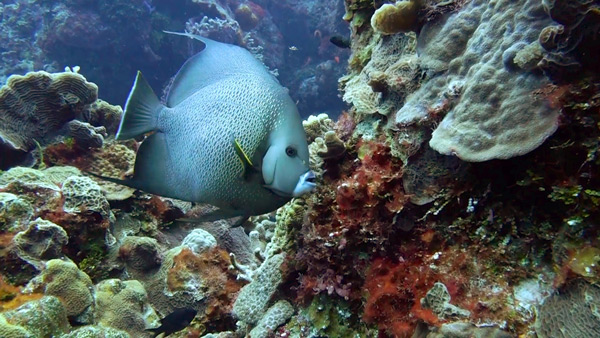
246, 162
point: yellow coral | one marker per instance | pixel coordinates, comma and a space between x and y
72, 286
399, 17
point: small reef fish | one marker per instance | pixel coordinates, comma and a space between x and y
340, 41
174, 322
229, 135
293, 48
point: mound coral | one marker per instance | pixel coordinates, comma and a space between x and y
401, 16
74, 288
123, 305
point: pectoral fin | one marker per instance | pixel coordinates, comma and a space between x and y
248, 166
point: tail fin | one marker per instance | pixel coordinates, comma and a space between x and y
141, 110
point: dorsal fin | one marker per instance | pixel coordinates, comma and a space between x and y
214, 62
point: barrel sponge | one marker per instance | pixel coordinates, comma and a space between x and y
252, 301
400, 17
277, 315
34, 107
493, 107
572, 311
124, 305
64, 280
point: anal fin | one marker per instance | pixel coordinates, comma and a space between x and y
150, 171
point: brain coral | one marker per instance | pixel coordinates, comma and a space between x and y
572, 312
469, 58
64, 280
124, 305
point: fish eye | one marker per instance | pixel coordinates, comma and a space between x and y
290, 151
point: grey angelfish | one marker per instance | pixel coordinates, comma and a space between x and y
229, 135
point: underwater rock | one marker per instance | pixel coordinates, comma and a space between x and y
42, 241
73, 287
124, 305
46, 317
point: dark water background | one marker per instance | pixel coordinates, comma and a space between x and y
111, 40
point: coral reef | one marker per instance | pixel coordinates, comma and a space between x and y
140, 254
571, 43
490, 107
124, 305
275, 316
96, 331
457, 197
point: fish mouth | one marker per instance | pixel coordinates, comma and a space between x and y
305, 184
